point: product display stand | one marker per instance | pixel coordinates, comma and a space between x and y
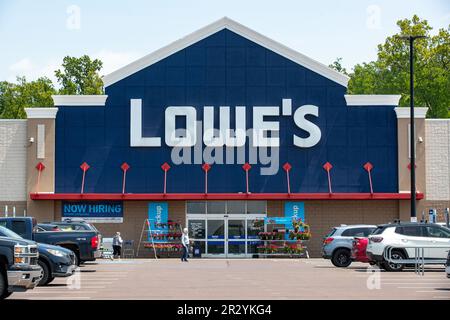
161, 243
275, 244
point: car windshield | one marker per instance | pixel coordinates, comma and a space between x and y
5, 232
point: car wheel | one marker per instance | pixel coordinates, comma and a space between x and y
50, 279
394, 267
45, 273
77, 260
3, 287
341, 258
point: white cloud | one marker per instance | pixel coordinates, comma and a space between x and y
26, 67
113, 60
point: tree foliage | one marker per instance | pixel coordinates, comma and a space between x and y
337, 65
14, 97
389, 74
80, 76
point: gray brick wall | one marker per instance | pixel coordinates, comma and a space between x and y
13, 157
437, 146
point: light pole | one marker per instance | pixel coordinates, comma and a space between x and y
412, 129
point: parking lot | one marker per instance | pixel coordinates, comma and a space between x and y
239, 279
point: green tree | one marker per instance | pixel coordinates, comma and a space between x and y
14, 97
337, 65
80, 76
389, 74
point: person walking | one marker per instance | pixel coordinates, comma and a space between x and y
117, 245
185, 243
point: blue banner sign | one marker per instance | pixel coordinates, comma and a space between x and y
158, 214
294, 210
93, 212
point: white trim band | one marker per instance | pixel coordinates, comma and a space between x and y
41, 113
372, 99
225, 23
79, 100
404, 112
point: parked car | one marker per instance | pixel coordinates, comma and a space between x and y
337, 245
84, 243
407, 234
19, 269
359, 247
447, 265
47, 227
68, 225
55, 261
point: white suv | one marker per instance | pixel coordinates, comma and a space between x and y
404, 235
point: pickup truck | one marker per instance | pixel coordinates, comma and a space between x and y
85, 244
55, 261
19, 270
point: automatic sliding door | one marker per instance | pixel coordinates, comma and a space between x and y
236, 236
216, 236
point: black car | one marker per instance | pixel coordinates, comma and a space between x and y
68, 225
19, 270
55, 261
47, 227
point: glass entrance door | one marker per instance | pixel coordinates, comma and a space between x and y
236, 235
231, 236
216, 236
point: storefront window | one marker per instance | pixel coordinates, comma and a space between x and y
236, 229
197, 229
237, 207
196, 207
216, 207
256, 207
254, 227
216, 229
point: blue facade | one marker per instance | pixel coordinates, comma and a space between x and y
225, 69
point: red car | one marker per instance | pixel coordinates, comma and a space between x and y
359, 249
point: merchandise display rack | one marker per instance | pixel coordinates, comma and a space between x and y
276, 244
165, 244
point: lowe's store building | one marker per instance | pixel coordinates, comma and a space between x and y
229, 133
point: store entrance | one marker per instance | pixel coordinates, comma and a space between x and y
230, 234
228, 237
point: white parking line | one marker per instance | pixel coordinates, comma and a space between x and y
61, 298
42, 293
413, 283
416, 288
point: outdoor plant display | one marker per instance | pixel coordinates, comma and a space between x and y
271, 235
301, 231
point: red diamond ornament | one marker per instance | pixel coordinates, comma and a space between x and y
368, 166
246, 166
165, 166
40, 166
84, 166
125, 166
327, 166
206, 167
287, 166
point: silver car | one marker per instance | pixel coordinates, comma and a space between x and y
447, 266
337, 245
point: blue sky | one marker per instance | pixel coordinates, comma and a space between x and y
36, 35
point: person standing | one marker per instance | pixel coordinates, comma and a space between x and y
185, 243
117, 245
